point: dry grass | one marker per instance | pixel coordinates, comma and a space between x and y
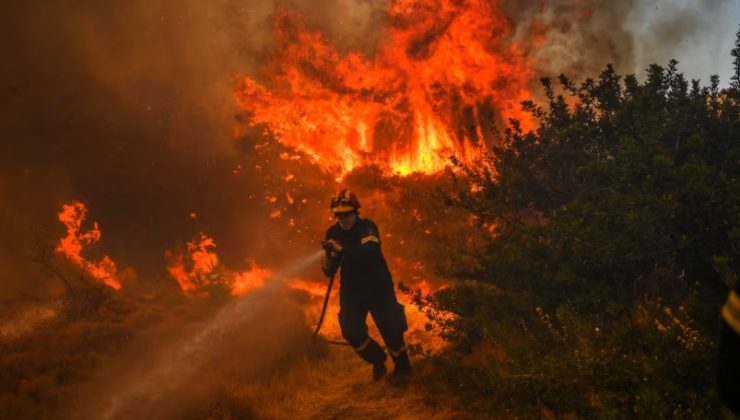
42, 363
172, 358
336, 386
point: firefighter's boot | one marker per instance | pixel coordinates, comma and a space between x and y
372, 353
379, 370
403, 366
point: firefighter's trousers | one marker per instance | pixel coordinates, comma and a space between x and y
389, 317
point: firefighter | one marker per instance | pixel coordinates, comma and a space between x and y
728, 375
365, 286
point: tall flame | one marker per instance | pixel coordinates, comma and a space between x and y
429, 91
72, 216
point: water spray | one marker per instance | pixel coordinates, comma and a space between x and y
298, 265
187, 356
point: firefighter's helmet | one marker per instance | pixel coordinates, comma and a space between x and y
345, 201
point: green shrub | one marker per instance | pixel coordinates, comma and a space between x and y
616, 239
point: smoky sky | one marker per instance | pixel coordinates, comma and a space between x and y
128, 106
699, 34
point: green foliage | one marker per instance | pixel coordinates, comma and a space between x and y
617, 226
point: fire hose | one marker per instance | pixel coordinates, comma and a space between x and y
323, 313
323, 309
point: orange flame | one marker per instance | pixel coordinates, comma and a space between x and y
427, 93
72, 216
200, 267
246, 281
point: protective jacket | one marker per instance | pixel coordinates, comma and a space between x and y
363, 267
728, 378
366, 286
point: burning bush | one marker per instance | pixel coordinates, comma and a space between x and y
199, 272
84, 295
72, 216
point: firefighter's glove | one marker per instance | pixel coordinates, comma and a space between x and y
333, 247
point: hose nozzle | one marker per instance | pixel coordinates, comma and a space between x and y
327, 248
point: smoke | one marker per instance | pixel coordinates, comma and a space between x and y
582, 36
699, 34
128, 106
169, 372
577, 38
174, 373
